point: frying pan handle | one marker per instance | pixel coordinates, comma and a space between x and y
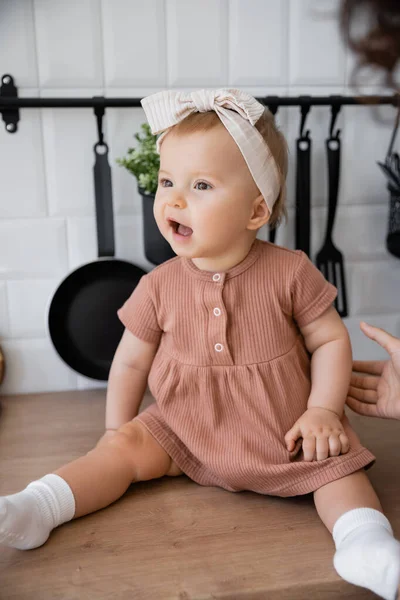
104, 204
333, 153
303, 193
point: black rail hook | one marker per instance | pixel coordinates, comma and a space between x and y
304, 109
99, 111
335, 110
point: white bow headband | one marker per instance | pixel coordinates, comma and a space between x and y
238, 112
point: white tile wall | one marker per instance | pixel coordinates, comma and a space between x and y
316, 55
4, 318
126, 27
23, 185
69, 43
18, 41
253, 42
197, 34
132, 48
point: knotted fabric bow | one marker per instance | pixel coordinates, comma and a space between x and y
237, 111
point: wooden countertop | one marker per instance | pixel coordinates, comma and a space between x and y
170, 538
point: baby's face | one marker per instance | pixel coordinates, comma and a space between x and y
205, 193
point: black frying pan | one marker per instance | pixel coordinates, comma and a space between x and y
82, 319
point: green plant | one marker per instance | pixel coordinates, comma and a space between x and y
143, 161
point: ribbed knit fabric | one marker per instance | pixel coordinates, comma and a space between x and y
232, 374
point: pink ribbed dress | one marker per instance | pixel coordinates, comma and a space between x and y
232, 373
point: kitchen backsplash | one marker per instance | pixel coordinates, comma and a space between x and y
130, 48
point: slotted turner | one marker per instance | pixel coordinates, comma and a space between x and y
329, 259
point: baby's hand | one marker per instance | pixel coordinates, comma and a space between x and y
322, 432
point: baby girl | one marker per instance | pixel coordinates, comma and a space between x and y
246, 357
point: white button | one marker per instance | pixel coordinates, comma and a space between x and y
216, 277
218, 347
217, 312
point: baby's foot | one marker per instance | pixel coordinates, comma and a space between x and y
27, 518
21, 524
370, 557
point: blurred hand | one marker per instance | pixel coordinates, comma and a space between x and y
377, 392
322, 432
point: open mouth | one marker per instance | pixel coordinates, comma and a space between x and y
179, 228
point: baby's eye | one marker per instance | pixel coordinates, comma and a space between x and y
165, 183
202, 185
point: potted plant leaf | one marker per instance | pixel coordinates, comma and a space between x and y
143, 162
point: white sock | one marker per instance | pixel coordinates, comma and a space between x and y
366, 552
27, 518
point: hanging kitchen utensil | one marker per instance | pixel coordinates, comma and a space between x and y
303, 185
272, 230
329, 259
391, 169
82, 318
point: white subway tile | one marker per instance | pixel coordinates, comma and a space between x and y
23, 190
28, 304
375, 287
258, 42
128, 230
69, 137
17, 42
33, 248
82, 243
4, 316
84, 383
134, 42
129, 241
365, 140
317, 55
69, 43
33, 366
363, 347
359, 231
197, 42
122, 124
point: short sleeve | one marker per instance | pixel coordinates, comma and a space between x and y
311, 293
138, 314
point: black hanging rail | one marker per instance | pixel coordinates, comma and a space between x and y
10, 103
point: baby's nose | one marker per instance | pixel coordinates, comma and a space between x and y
177, 200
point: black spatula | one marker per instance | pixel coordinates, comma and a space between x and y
329, 259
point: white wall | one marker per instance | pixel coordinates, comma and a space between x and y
135, 47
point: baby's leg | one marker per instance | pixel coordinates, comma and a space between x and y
83, 486
366, 552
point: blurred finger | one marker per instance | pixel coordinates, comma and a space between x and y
292, 436
334, 445
369, 396
368, 410
309, 448
365, 382
384, 339
372, 367
322, 448
344, 442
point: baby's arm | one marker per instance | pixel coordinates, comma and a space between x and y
128, 379
328, 342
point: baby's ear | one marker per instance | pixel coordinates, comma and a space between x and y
260, 214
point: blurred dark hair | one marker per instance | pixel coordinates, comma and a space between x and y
379, 45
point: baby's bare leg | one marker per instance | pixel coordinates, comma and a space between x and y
366, 552
104, 474
83, 486
340, 496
